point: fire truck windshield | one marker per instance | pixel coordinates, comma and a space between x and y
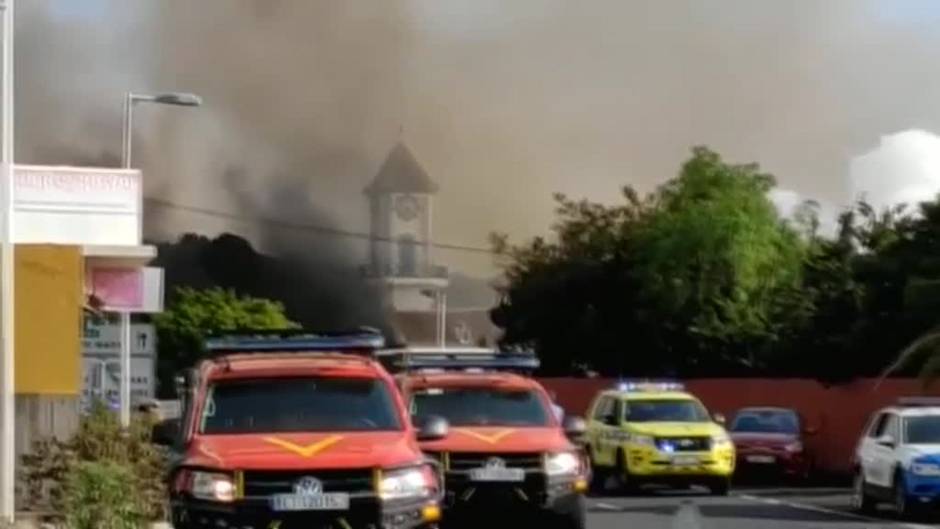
481, 406
310, 404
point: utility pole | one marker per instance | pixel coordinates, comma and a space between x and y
7, 364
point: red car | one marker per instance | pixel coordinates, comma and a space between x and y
771, 439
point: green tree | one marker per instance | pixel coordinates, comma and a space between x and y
194, 314
571, 298
909, 293
717, 265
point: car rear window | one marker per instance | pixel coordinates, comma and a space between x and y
308, 404
481, 406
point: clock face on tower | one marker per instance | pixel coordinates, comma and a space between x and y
407, 207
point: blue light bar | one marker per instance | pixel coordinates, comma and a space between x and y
294, 341
649, 386
456, 361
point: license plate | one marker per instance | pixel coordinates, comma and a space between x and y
684, 460
497, 474
760, 459
317, 502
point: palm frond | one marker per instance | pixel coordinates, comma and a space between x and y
927, 345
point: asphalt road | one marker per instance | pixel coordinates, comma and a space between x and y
764, 508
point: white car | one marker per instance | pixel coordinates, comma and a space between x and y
898, 457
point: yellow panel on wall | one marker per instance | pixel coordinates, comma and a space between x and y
49, 290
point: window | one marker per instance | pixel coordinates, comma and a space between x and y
603, 408
310, 404
893, 428
407, 256
482, 406
619, 410
878, 426
923, 429
666, 410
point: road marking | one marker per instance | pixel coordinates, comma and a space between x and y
833, 512
607, 506
687, 517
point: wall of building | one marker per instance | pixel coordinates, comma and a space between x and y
48, 299
838, 412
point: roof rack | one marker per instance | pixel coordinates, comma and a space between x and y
458, 359
913, 402
360, 341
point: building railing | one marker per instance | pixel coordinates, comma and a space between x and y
429, 271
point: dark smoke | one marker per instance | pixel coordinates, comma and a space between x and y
504, 102
318, 298
291, 129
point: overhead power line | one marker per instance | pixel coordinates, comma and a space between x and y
300, 226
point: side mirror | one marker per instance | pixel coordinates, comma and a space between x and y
574, 427
719, 419
610, 420
886, 440
433, 428
166, 433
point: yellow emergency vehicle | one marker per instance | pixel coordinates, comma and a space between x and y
657, 433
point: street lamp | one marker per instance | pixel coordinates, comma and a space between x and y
130, 99
182, 99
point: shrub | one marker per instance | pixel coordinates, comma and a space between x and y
96, 496
53, 469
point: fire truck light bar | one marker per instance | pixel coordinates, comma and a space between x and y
461, 361
365, 340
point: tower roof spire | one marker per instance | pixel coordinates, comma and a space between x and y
401, 173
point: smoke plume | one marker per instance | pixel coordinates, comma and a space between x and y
503, 102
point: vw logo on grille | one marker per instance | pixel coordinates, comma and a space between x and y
495, 462
308, 486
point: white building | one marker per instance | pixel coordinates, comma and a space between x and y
401, 259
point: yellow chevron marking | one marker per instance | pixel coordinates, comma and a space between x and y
491, 439
306, 451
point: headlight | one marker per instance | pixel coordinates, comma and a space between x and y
721, 440
925, 469
408, 483
212, 486
642, 439
562, 464
794, 447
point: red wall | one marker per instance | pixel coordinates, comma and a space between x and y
838, 412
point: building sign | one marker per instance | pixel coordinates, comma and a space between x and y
101, 348
77, 205
127, 289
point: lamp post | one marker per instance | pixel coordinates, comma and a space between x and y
131, 99
7, 395
182, 99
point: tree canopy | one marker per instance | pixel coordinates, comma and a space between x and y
703, 277
194, 314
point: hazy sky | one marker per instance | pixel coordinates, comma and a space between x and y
503, 102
